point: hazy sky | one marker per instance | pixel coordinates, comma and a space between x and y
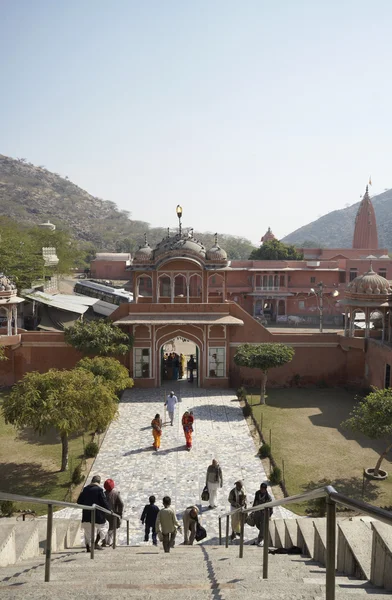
248, 113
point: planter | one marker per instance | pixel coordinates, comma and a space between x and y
369, 474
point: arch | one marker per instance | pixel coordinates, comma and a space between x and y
215, 288
164, 286
195, 285
144, 286
170, 335
180, 286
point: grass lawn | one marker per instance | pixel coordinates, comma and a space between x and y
306, 435
29, 464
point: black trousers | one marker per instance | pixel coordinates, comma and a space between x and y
147, 533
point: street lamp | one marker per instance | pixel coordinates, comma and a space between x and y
319, 293
179, 215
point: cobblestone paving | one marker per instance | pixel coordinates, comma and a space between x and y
221, 432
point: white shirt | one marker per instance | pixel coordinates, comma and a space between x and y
171, 402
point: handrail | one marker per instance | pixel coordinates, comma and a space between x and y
49, 530
332, 497
230, 512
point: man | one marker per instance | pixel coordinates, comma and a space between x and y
214, 480
261, 497
190, 519
191, 367
170, 404
237, 499
93, 494
167, 525
117, 506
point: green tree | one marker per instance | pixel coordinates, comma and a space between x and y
68, 401
98, 337
276, 250
263, 357
373, 417
110, 370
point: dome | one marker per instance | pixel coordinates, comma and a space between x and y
216, 253
181, 243
144, 254
370, 284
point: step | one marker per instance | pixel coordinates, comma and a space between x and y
7, 545
291, 533
280, 533
305, 536
26, 540
354, 554
320, 541
272, 532
381, 567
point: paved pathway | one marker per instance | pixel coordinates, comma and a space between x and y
221, 432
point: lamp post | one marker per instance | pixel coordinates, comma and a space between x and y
179, 215
319, 293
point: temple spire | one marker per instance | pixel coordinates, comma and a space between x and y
365, 232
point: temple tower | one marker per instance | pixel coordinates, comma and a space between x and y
268, 236
365, 232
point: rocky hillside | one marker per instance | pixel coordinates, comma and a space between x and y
336, 229
31, 194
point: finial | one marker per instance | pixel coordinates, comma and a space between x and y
367, 189
216, 239
145, 238
168, 232
371, 265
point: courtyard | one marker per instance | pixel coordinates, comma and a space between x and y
307, 437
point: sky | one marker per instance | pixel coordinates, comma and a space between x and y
248, 114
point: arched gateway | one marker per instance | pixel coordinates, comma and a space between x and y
180, 292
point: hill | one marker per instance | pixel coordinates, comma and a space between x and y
336, 229
31, 194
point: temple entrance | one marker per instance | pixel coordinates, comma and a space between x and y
180, 361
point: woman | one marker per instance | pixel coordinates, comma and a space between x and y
156, 425
117, 505
187, 425
261, 497
214, 481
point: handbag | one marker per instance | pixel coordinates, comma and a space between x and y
200, 532
250, 519
205, 495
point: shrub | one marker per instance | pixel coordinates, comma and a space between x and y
91, 450
276, 476
247, 410
316, 507
241, 393
7, 508
77, 476
265, 450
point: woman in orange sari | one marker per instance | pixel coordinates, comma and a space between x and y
187, 425
156, 425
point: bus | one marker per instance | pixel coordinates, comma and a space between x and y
106, 293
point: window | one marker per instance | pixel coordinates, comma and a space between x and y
141, 362
342, 277
382, 273
353, 274
301, 305
387, 376
312, 280
217, 362
165, 286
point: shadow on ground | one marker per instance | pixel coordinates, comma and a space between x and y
355, 487
27, 479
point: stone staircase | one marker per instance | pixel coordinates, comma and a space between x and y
364, 556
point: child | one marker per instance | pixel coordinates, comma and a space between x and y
148, 518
